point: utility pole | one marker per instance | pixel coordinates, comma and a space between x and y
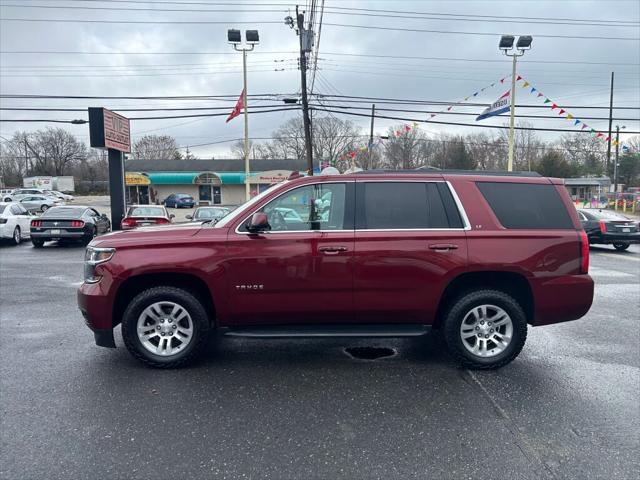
306, 42
610, 124
615, 167
373, 116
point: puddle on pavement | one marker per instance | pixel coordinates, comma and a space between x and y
369, 353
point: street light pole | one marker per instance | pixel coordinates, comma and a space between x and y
252, 38
506, 45
247, 170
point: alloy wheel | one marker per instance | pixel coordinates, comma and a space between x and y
165, 328
486, 330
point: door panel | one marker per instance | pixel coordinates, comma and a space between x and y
290, 278
399, 278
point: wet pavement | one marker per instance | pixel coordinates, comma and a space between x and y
568, 407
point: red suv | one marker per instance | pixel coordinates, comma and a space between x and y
478, 256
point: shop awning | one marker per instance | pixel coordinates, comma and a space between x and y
188, 178
172, 178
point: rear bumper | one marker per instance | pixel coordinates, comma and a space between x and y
63, 234
616, 237
561, 299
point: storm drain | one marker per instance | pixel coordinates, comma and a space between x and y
369, 353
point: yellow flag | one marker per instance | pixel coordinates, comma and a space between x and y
525, 84
569, 116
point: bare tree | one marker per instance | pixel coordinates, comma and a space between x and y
14, 159
585, 152
152, 147
53, 151
407, 148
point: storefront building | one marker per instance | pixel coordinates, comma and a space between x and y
210, 182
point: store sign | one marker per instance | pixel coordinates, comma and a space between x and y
270, 177
132, 178
109, 130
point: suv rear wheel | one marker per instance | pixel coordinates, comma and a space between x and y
621, 246
165, 327
485, 329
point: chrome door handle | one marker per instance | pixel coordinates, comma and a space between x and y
332, 250
443, 247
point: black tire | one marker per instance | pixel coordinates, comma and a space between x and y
87, 240
17, 236
37, 242
621, 246
463, 305
199, 317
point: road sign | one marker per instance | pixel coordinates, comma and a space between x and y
109, 130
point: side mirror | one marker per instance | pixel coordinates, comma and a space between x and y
189, 217
172, 216
259, 222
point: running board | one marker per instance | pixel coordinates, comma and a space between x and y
320, 331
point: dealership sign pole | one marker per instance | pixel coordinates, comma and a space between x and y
108, 130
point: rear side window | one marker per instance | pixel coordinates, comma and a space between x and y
405, 205
526, 205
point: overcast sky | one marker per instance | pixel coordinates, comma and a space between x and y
165, 59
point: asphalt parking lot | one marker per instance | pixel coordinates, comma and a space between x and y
568, 407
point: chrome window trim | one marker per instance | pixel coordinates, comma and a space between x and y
278, 196
456, 199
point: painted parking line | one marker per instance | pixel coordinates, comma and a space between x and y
607, 272
624, 257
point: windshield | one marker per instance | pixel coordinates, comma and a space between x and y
210, 212
146, 212
2, 207
604, 215
66, 212
243, 208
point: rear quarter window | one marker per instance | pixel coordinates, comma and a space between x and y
526, 205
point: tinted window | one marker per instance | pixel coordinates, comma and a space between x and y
312, 207
64, 212
2, 207
526, 205
402, 205
604, 215
146, 212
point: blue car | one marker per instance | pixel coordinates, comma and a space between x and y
179, 200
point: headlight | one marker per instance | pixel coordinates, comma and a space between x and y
95, 256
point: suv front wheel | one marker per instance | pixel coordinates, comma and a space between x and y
165, 327
485, 329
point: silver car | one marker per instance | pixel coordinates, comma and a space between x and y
34, 203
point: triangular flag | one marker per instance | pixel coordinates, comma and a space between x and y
518, 78
502, 80
576, 122
492, 84
546, 100
569, 116
525, 84
407, 128
432, 115
554, 106
593, 130
616, 142
600, 134
533, 89
416, 124
475, 94
584, 125
237, 109
540, 95
561, 111
449, 108
466, 98
607, 139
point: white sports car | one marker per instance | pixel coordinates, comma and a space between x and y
15, 222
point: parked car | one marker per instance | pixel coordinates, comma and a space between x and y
208, 213
39, 202
609, 228
478, 256
179, 200
63, 196
146, 215
68, 223
6, 193
14, 222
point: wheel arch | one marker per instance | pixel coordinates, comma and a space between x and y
132, 286
511, 283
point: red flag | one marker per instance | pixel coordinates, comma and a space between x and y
238, 108
407, 128
607, 139
600, 134
554, 106
561, 111
518, 78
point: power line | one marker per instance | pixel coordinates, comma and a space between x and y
138, 22
491, 34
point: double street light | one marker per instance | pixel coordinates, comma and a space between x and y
251, 40
506, 45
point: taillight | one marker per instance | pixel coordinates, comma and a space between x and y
77, 223
128, 223
584, 252
162, 221
36, 223
603, 226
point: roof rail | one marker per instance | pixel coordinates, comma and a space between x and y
422, 171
